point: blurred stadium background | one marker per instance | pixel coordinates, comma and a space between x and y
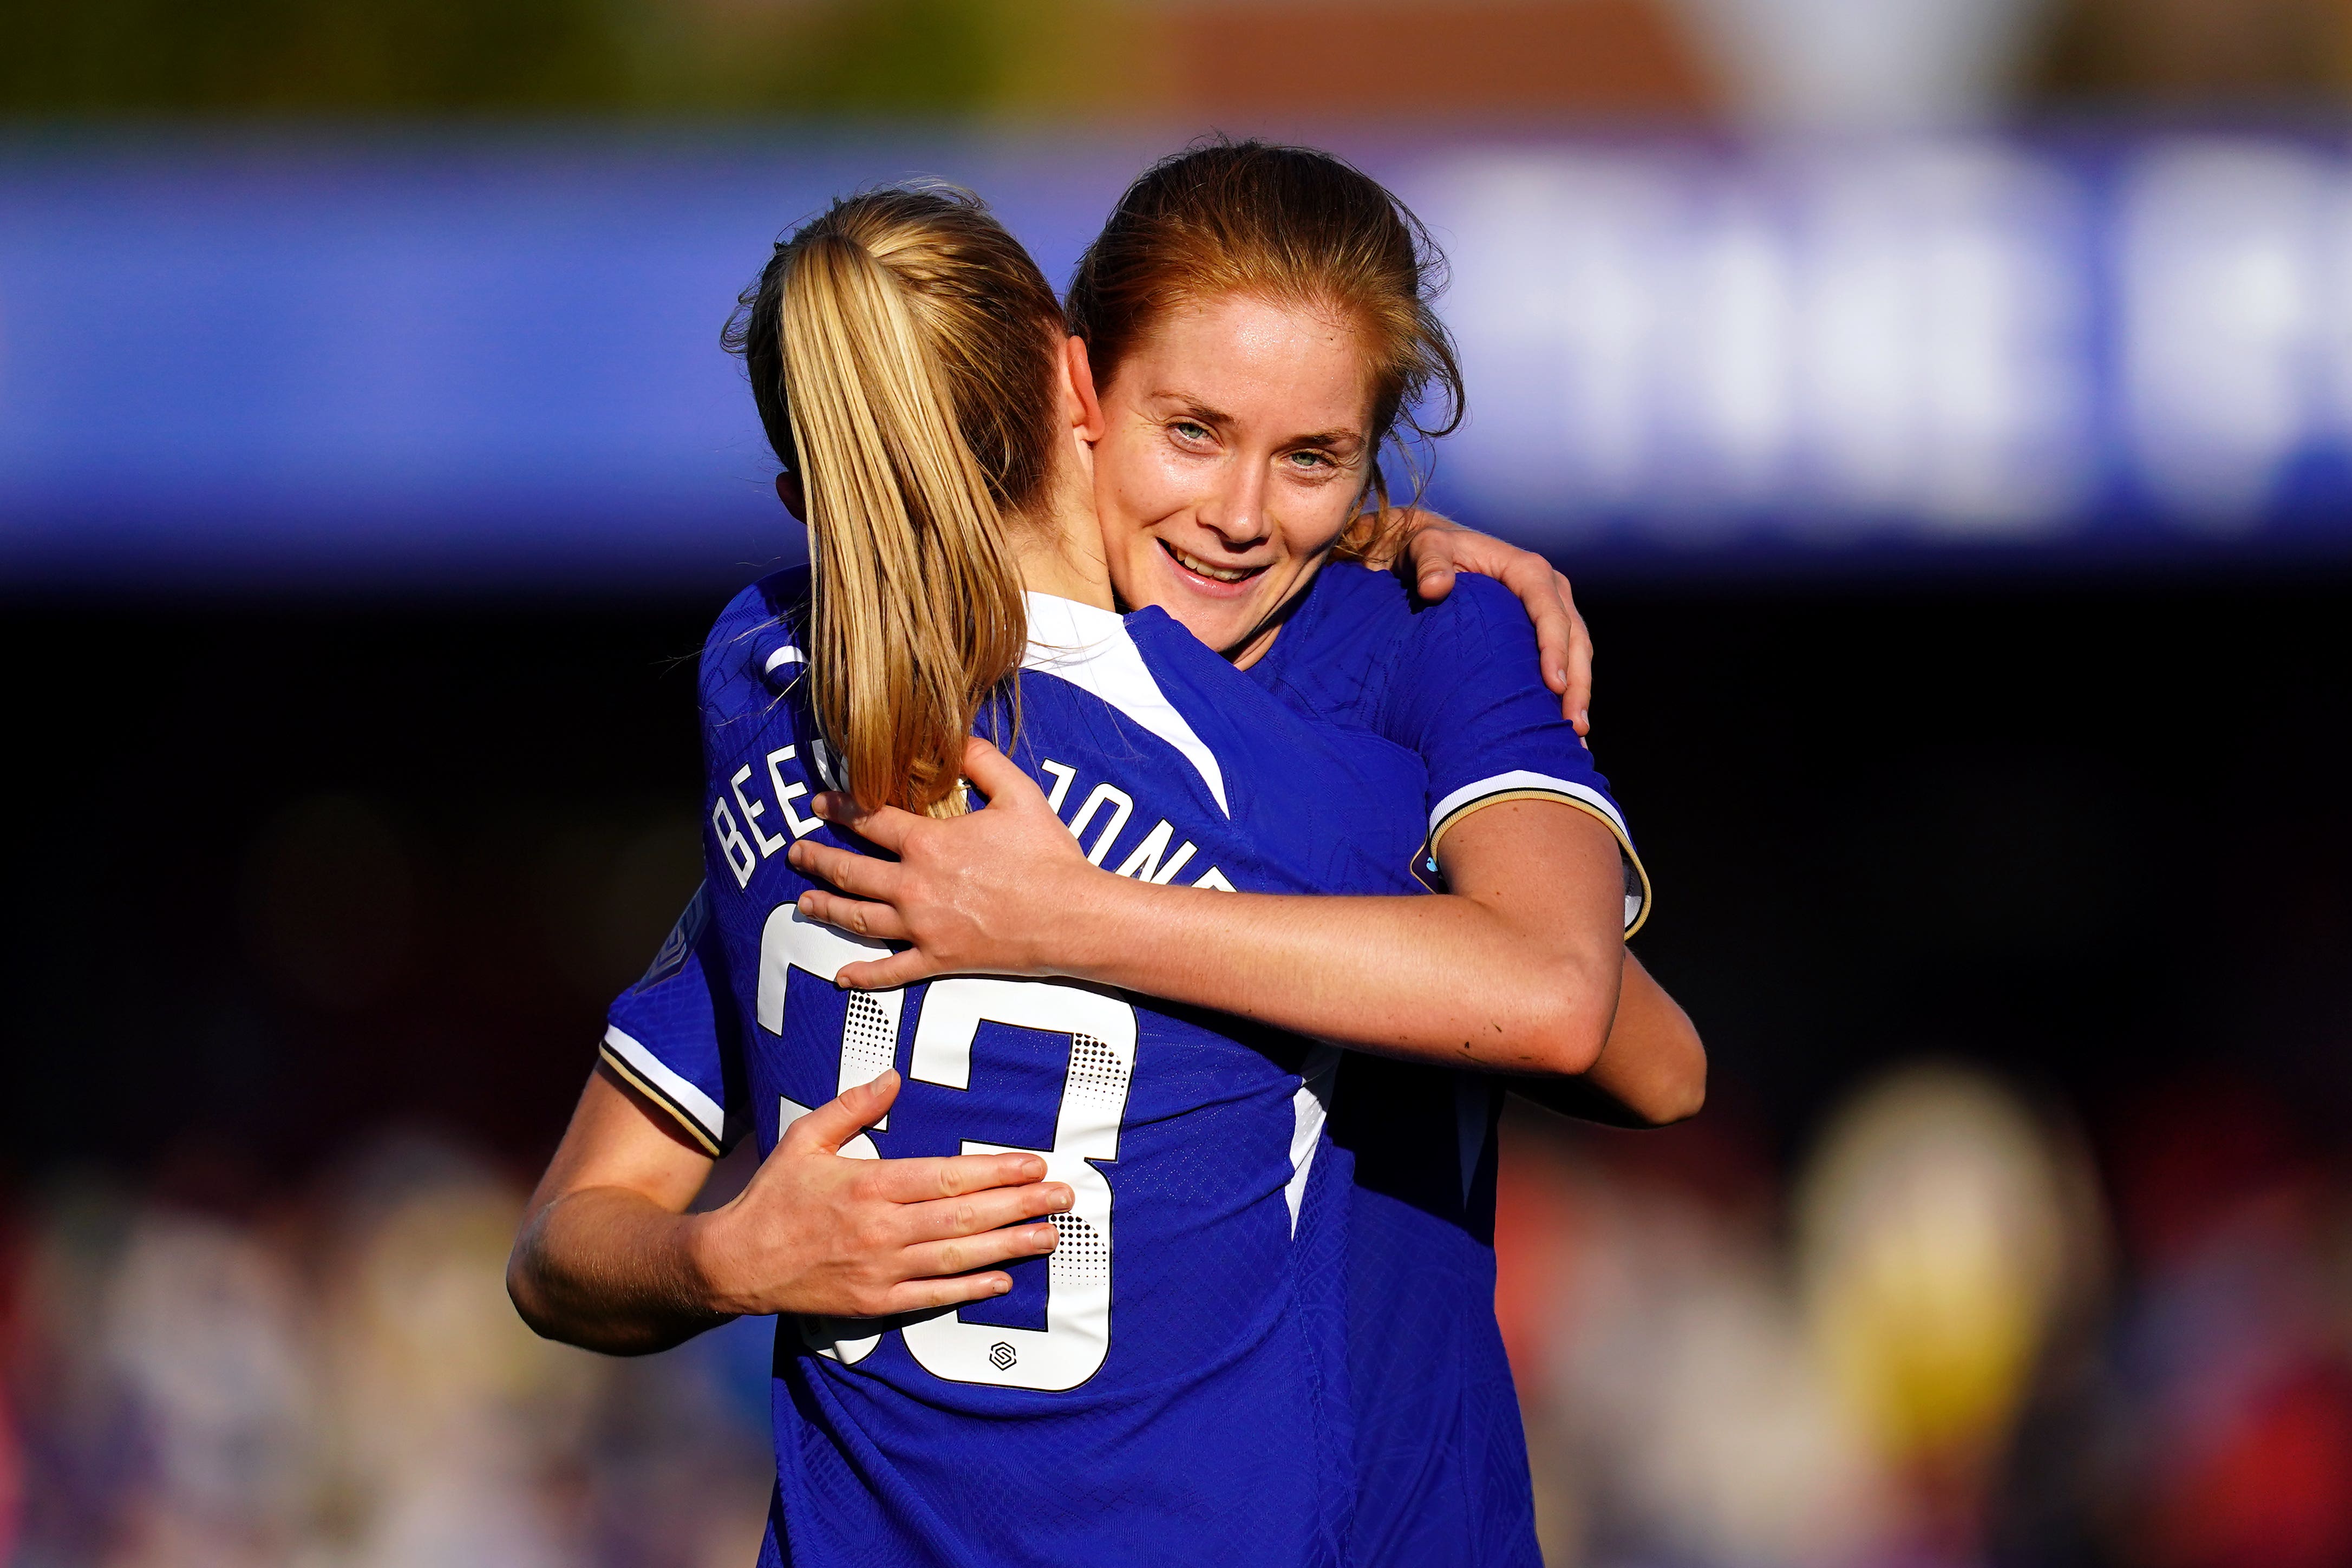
1945, 407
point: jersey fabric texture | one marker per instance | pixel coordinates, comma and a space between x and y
1442, 1465
1169, 1385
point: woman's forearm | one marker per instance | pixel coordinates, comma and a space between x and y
605, 1259
607, 1269
1449, 978
1653, 1063
1652, 1071
1515, 970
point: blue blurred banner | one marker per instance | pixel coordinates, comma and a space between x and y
438, 361
2127, 348
443, 361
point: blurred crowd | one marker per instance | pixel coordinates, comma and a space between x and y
338, 1378
1953, 1331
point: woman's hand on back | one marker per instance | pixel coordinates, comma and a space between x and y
609, 1259
1440, 548
816, 1232
995, 891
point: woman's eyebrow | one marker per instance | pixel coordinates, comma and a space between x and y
1185, 405
1342, 438
1191, 407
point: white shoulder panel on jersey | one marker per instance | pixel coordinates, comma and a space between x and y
1090, 648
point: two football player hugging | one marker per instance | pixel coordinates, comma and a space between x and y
1138, 1217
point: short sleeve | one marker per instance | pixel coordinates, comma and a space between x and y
674, 1036
1468, 694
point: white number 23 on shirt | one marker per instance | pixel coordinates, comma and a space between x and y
1102, 1030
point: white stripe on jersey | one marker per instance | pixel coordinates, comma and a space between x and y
1521, 783
680, 1093
1310, 1109
1523, 779
1090, 649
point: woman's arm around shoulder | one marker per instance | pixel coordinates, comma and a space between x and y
1516, 970
1440, 549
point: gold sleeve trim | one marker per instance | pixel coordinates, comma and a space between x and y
693, 1129
1624, 844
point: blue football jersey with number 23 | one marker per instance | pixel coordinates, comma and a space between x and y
1170, 1384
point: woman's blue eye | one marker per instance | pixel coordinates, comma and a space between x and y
1190, 431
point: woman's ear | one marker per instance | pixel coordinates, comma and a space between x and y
1078, 386
788, 490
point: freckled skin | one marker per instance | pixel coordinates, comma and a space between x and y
1237, 434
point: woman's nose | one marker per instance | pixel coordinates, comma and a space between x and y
1235, 512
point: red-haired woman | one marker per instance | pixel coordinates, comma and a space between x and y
1255, 321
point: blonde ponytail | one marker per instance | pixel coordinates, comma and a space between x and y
916, 364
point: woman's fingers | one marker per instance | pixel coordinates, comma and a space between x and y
1416, 537
963, 1254
861, 876
867, 919
1537, 586
825, 1130
930, 1295
944, 1219
1439, 550
883, 825
1564, 647
994, 775
926, 1178
1432, 572
1576, 687
1430, 548
888, 973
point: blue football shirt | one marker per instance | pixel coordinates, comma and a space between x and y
1442, 1455
1169, 1385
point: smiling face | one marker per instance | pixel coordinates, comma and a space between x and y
1236, 440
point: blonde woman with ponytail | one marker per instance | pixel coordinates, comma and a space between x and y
1070, 1290
1168, 1385
918, 613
